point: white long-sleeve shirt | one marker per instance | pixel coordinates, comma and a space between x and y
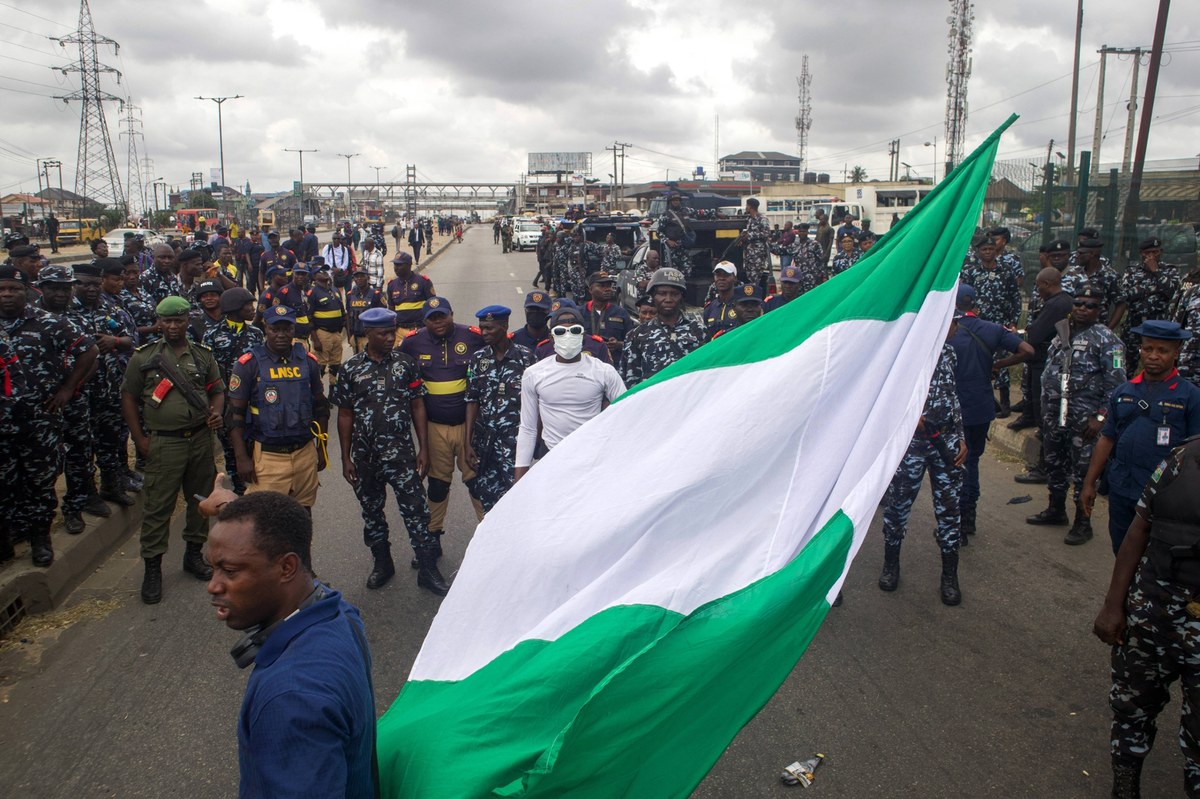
563, 396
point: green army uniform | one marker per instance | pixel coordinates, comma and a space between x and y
181, 444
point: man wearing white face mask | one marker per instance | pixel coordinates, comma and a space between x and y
563, 392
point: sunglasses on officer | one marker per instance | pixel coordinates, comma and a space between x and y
1089, 305
562, 330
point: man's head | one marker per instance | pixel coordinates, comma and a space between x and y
380, 325
986, 250
261, 553
1058, 253
1085, 308
1161, 342
12, 291
368, 245
653, 259
301, 276
645, 309
537, 309
323, 279
1152, 250
402, 264
1089, 252
173, 316
802, 231
237, 304
1048, 282
225, 253
493, 323
748, 300
112, 275
191, 263
164, 257
724, 276
57, 284
362, 279
439, 317
273, 239
280, 328
208, 294
789, 282
752, 206
87, 284
666, 289
600, 286
26, 258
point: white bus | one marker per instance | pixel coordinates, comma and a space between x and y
778, 210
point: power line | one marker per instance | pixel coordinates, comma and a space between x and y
24, 30
11, 43
30, 82
22, 91
35, 16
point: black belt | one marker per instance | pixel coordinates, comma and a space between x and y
180, 433
283, 449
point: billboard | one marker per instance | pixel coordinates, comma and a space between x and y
551, 163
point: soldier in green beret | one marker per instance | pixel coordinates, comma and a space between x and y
176, 386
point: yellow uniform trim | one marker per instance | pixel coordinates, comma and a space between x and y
446, 386
327, 314
410, 306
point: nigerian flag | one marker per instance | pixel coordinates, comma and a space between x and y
646, 588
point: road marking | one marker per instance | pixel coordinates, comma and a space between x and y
512, 274
520, 290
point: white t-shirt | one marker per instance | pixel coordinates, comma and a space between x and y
563, 396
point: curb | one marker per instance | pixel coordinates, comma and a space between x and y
1021, 444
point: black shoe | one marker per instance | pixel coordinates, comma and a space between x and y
428, 576
194, 562
1004, 406
112, 491
1021, 422
968, 520
96, 506
889, 578
1019, 407
1127, 778
437, 535
152, 581
1055, 513
384, 568
1032, 476
39, 548
1081, 530
73, 522
951, 595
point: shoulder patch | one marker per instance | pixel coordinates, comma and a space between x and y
411, 333
246, 357
474, 329
311, 355
597, 338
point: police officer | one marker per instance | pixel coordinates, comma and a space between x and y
998, 300
748, 302
789, 288
593, 346
847, 255
277, 400
442, 350
941, 421
675, 234
361, 298
719, 314
161, 280
1186, 312
294, 297
175, 385
1090, 269
1149, 618
329, 323
276, 279
537, 313
603, 318
112, 330
380, 399
666, 338
275, 256
38, 347
208, 316
229, 341
494, 406
1146, 291
1089, 359
1145, 418
808, 258
756, 241
406, 295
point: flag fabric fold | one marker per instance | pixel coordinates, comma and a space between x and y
646, 588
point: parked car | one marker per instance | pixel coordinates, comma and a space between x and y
115, 238
526, 233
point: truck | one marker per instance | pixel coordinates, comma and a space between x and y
886, 204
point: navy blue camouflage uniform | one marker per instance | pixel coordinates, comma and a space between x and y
494, 385
997, 299
103, 389
1146, 295
228, 341
942, 415
653, 346
380, 395
160, 285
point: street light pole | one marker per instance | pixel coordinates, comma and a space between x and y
301, 152
348, 157
377, 169
933, 144
220, 101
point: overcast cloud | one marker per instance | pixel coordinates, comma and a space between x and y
465, 89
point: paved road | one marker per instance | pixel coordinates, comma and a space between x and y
1003, 696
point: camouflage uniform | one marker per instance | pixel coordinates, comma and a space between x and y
843, 261
806, 256
943, 414
140, 308
756, 256
565, 277
159, 285
228, 343
1097, 368
380, 394
1147, 295
652, 346
42, 345
1162, 639
611, 261
1104, 278
1186, 312
997, 299
494, 384
669, 228
103, 389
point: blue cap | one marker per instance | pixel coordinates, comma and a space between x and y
279, 313
790, 274
1162, 330
537, 299
562, 302
274, 270
748, 292
302, 268
378, 317
437, 305
493, 313
966, 296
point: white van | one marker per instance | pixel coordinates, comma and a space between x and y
526, 233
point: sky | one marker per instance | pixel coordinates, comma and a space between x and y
464, 90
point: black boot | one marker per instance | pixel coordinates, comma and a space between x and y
1020, 407
1005, 409
889, 578
1127, 777
40, 549
384, 568
437, 535
1055, 512
1021, 422
1033, 475
96, 506
73, 522
112, 490
428, 576
950, 593
1081, 530
152, 581
194, 563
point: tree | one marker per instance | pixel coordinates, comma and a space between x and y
858, 175
202, 199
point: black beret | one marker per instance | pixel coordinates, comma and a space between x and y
91, 270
